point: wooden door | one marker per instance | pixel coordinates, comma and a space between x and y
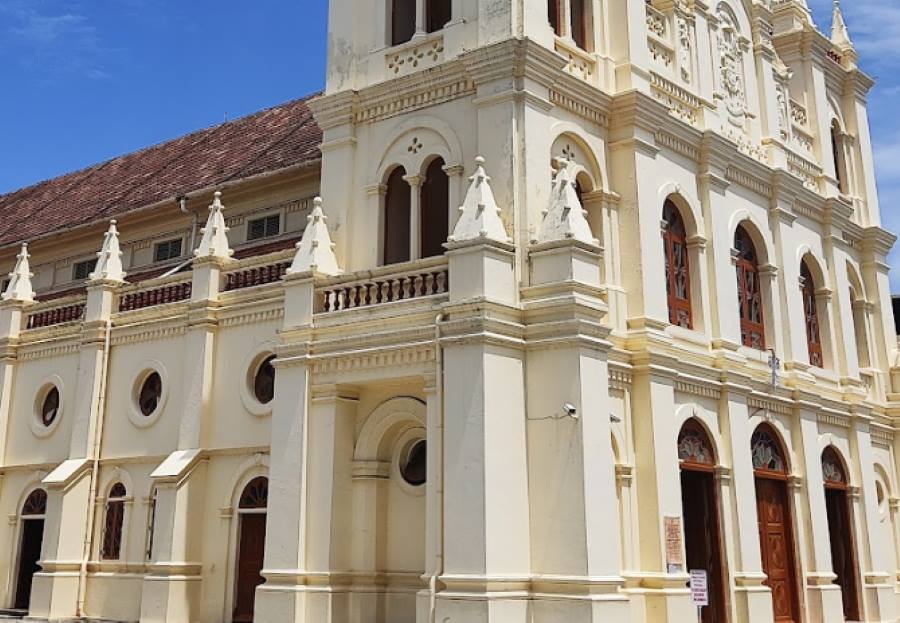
251, 550
701, 533
842, 555
777, 546
29, 555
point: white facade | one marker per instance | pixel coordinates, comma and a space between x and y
615, 174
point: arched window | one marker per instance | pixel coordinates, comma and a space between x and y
678, 273
811, 316
255, 494
860, 331
694, 446
36, 504
833, 472
396, 218
151, 522
837, 152
753, 333
554, 16
115, 520
579, 23
403, 21
579, 20
767, 452
435, 209
437, 14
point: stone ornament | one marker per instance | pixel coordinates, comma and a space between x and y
315, 251
565, 217
19, 288
731, 60
480, 214
214, 243
109, 259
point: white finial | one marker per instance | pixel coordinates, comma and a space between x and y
19, 288
840, 35
214, 243
109, 259
480, 214
315, 251
565, 218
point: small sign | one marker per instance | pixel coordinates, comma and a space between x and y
699, 588
674, 550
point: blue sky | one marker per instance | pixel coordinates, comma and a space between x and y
86, 80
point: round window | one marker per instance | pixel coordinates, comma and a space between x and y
50, 407
414, 463
150, 395
264, 381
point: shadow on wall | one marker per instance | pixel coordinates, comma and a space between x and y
896, 300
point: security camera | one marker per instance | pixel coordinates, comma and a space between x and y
570, 410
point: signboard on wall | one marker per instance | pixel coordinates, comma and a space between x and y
674, 549
699, 588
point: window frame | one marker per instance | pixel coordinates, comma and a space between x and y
265, 219
91, 266
811, 319
167, 244
671, 238
114, 523
746, 266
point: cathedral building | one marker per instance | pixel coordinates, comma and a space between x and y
539, 307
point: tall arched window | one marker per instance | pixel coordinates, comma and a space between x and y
860, 330
578, 26
678, 277
403, 21
554, 15
115, 520
396, 218
435, 209
578, 9
753, 332
811, 317
837, 152
437, 14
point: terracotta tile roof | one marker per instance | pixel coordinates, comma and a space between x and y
266, 141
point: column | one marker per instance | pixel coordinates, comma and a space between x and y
434, 520
415, 215
823, 597
663, 572
58, 590
281, 598
454, 185
873, 549
752, 600
329, 498
173, 587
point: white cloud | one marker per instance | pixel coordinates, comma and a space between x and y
56, 40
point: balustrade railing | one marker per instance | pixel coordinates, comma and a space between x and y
258, 270
54, 313
156, 292
387, 286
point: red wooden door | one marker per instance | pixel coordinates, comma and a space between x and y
777, 546
29, 555
249, 565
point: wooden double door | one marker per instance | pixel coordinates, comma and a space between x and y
776, 541
703, 549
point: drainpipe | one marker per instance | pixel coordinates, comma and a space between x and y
439, 493
182, 205
95, 468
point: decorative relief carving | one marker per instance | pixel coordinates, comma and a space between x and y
681, 103
685, 45
391, 105
731, 63
656, 22
591, 113
407, 60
